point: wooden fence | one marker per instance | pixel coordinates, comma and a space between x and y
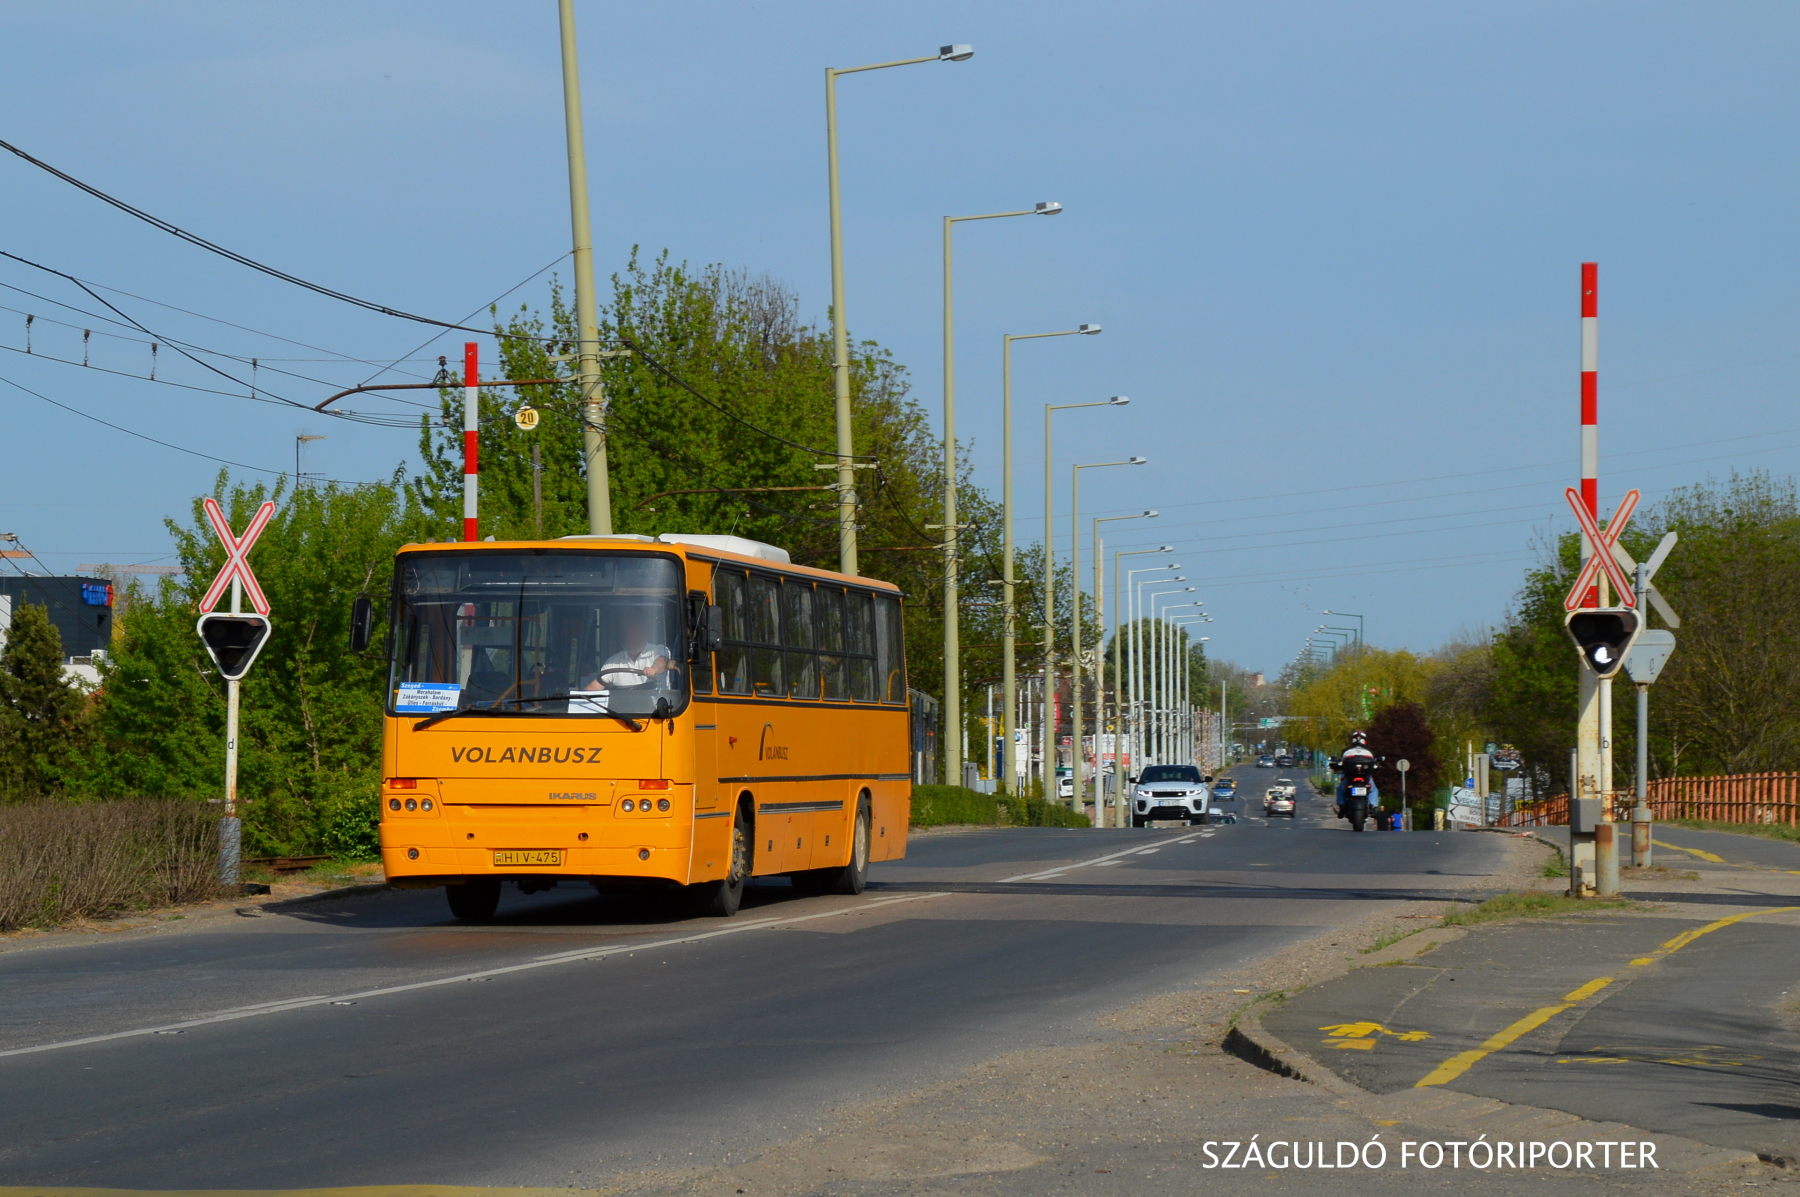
1738, 798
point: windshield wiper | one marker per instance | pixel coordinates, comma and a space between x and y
422, 724
588, 695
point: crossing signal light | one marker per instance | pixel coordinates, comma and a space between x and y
1604, 636
234, 641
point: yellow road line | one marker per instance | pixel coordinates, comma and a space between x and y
1701, 853
1460, 1063
1588, 990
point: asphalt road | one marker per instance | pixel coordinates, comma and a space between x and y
374, 1041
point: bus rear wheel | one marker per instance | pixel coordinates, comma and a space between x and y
842, 879
721, 899
475, 900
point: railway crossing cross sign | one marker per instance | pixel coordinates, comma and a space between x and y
1602, 557
237, 553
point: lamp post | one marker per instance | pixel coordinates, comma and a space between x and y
952, 529
1008, 637
1126, 708
1185, 725
1149, 640
1118, 683
1166, 668
840, 340
1139, 672
1075, 623
1350, 615
1050, 722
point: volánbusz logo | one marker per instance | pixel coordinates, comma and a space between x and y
486, 755
766, 751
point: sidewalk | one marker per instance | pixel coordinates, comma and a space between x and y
1680, 1018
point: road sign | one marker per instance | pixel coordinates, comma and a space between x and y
526, 418
1602, 556
1402, 765
233, 641
1648, 655
1604, 636
237, 553
1650, 567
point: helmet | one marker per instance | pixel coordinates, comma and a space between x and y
1360, 739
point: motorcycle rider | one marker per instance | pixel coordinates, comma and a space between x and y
1357, 756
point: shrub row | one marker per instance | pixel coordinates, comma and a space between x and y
939, 806
66, 860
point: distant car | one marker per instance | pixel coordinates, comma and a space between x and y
1279, 801
1170, 792
1065, 787
1284, 761
1224, 790
1265, 762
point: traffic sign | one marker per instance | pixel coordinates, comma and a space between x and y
237, 553
1402, 765
1647, 657
233, 641
1650, 567
1604, 635
1602, 556
526, 418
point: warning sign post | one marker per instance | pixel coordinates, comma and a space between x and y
233, 640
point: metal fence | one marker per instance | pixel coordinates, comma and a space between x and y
1734, 798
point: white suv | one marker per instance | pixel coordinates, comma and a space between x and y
1171, 792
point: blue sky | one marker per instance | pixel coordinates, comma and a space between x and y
1334, 247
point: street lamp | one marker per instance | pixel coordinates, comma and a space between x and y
1008, 637
953, 530
1350, 615
1118, 683
1075, 620
1159, 669
840, 342
1185, 724
1147, 640
1050, 580
1127, 707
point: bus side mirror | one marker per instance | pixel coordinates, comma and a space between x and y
362, 623
706, 626
715, 626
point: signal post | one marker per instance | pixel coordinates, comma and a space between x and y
233, 640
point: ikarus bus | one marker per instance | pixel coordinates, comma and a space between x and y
680, 713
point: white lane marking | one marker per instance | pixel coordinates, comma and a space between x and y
1059, 870
541, 962
1107, 864
1207, 835
1190, 839
1147, 851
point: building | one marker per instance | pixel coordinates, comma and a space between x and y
81, 609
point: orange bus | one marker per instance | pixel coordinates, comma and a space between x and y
682, 713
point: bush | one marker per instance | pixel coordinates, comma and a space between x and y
940, 806
62, 861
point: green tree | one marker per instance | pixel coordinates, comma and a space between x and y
44, 721
311, 712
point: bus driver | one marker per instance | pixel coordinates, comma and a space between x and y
639, 663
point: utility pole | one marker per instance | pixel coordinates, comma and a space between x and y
587, 314
1588, 781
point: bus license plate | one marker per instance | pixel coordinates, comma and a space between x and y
527, 856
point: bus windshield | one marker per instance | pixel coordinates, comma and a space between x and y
579, 633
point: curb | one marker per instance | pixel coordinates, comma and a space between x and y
329, 895
1458, 1113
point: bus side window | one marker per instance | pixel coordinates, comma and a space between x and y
859, 644
797, 634
765, 632
890, 655
733, 656
828, 606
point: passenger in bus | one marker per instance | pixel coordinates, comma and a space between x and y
638, 663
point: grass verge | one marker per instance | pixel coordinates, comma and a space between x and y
1530, 906
942, 806
1767, 831
61, 861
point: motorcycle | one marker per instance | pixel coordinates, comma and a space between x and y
1357, 790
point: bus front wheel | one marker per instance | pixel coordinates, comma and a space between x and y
721, 899
475, 900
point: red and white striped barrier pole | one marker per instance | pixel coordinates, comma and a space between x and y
471, 438
1590, 403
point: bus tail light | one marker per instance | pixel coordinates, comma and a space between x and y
659, 783
402, 783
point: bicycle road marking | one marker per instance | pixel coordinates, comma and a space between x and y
1460, 1063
